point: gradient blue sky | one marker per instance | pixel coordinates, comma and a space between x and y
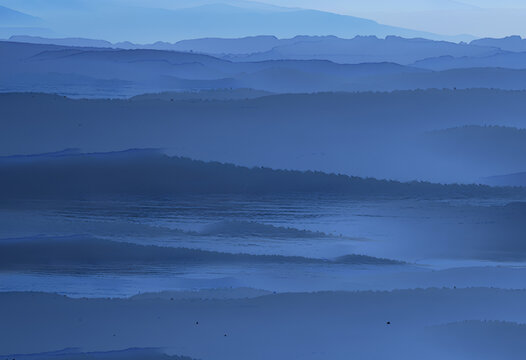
481, 18
450, 17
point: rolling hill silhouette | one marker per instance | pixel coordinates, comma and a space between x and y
105, 72
149, 173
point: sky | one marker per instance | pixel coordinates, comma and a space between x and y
491, 18
479, 18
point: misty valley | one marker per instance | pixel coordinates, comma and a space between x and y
187, 179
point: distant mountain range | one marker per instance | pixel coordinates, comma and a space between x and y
30, 67
501, 59
164, 21
359, 49
108, 72
510, 43
74, 42
421, 53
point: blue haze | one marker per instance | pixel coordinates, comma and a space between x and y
197, 180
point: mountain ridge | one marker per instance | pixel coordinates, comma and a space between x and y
133, 23
150, 173
357, 49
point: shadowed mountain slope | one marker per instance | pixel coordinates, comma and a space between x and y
148, 173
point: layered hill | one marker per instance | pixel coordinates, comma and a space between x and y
108, 72
149, 173
403, 135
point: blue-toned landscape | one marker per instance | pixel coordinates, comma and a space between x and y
201, 179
